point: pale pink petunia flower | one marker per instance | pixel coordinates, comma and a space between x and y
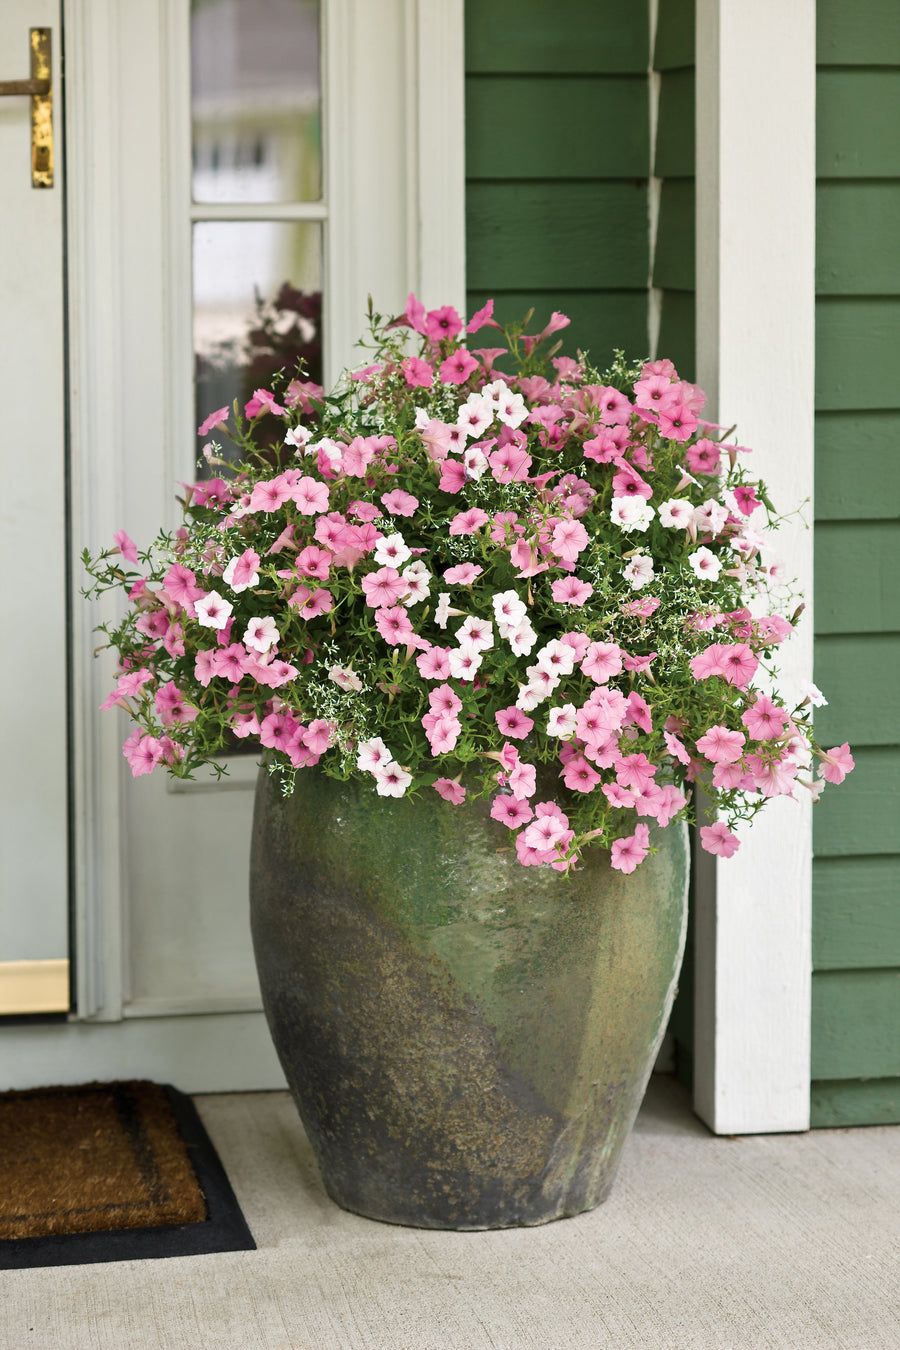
578, 775
569, 538
837, 763
467, 522
570, 590
241, 573
444, 699
311, 496
463, 574
399, 503
545, 832
719, 840
602, 661
372, 754
383, 588
764, 720
434, 664
394, 626
522, 780
627, 854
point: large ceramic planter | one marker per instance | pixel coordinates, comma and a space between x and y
467, 1040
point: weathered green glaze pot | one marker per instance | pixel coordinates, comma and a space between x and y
467, 1040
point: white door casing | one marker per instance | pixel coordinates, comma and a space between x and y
755, 357
160, 886
33, 680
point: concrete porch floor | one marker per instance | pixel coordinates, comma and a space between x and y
770, 1241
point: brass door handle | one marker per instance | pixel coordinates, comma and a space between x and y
40, 88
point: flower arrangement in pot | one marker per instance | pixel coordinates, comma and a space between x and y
488, 613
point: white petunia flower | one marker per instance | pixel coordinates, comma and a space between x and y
676, 514
639, 572
478, 632
261, 634
345, 678
418, 581
213, 611
474, 463
562, 721
811, 693
631, 513
464, 661
391, 551
529, 698
509, 610
543, 680
442, 613
705, 565
475, 415
297, 437
710, 518
521, 638
332, 450
391, 780
556, 658
372, 755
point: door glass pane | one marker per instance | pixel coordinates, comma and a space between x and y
257, 308
256, 100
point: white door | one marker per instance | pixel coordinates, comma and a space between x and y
217, 148
34, 885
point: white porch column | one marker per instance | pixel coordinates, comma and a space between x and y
755, 354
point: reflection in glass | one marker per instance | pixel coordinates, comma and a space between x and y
256, 100
257, 309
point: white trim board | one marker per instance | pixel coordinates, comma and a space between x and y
755, 355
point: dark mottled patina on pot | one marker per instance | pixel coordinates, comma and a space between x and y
467, 1040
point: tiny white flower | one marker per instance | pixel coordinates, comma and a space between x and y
345, 678
297, 437
391, 780
705, 565
213, 611
631, 513
639, 572
521, 638
442, 613
676, 514
557, 658
475, 415
509, 609
478, 632
464, 661
373, 754
811, 693
561, 721
261, 634
417, 578
228, 578
391, 551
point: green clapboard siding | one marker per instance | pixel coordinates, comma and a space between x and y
869, 214
674, 47
855, 913
577, 37
858, 465
861, 33
673, 261
557, 236
857, 352
864, 817
675, 127
856, 577
861, 678
870, 1101
676, 331
855, 1015
857, 115
577, 126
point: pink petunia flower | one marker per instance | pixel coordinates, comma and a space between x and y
719, 840
513, 722
510, 811
126, 546
628, 853
463, 574
383, 588
721, 746
704, 457
578, 775
313, 562
394, 626
213, 419
570, 590
417, 373
467, 522
442, 323
399, 503
522, 780
602, 661
450, 790
457, 368
434, 664
311, 497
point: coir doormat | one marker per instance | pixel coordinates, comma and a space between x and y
110, 1172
